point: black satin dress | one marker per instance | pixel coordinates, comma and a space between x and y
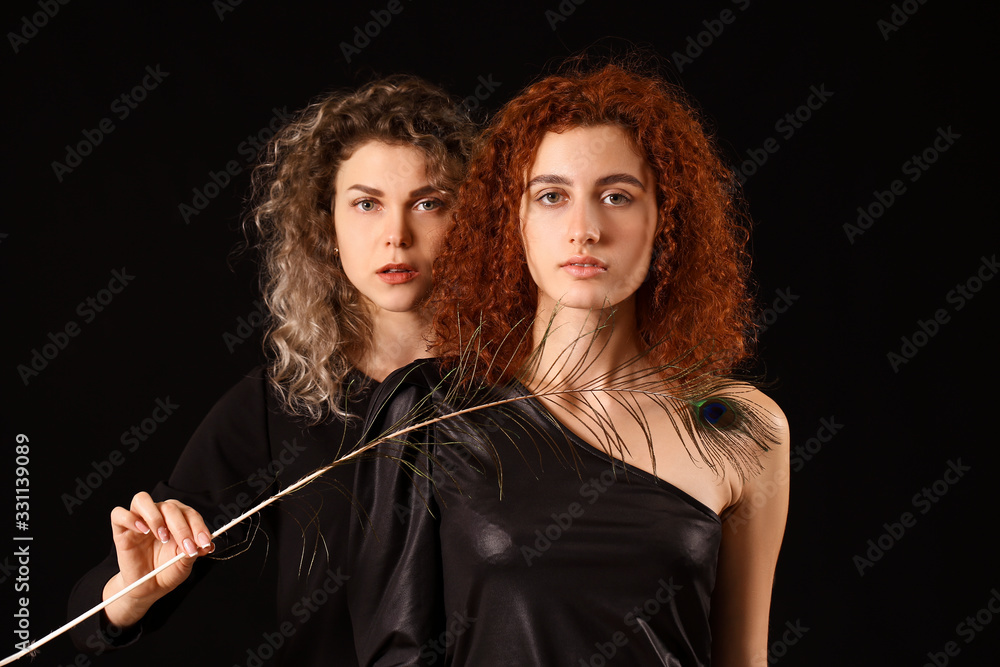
581, 560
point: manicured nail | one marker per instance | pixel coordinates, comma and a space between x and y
189, 548
204, 540
142, 527
162, 533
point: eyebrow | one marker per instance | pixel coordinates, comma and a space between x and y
553, 179
426, 190
621, 178
549, 179
375, 192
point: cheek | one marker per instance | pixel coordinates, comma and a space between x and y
645, 234
340, 227
432, 237
352, 265
527, 232
643, 261
532, 245
354, 254
354, 229
644, 250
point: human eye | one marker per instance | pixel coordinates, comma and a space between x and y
616, 199
431, 204
550, 198
366, 205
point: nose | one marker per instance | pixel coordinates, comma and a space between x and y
584, 225
398, 233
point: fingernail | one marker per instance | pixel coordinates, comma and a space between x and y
142, 528
163, 534
189, 548
204, 540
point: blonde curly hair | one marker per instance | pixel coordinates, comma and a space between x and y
318, 322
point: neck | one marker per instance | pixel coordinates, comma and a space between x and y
582, 346
398, 339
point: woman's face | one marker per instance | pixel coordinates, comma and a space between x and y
390, 222
588, 216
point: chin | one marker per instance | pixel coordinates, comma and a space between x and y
401, 300
587, 302
399, 306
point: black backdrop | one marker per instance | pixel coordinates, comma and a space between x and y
888, 105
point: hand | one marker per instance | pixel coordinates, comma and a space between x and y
147, 535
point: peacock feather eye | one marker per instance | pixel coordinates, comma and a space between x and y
716, 412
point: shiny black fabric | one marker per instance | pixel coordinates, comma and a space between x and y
246, 449
395, 591
581, 560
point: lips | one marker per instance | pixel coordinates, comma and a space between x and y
397, 274
584, 266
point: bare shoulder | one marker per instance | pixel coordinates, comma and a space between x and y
774, 456
765, 406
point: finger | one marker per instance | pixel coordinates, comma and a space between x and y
149, 513
125, 523
204, 551
202, 535
177, 524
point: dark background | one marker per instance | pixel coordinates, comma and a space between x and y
846, 305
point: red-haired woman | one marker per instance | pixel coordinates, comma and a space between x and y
353, 200
598, 223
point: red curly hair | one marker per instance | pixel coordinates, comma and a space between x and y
695, 302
